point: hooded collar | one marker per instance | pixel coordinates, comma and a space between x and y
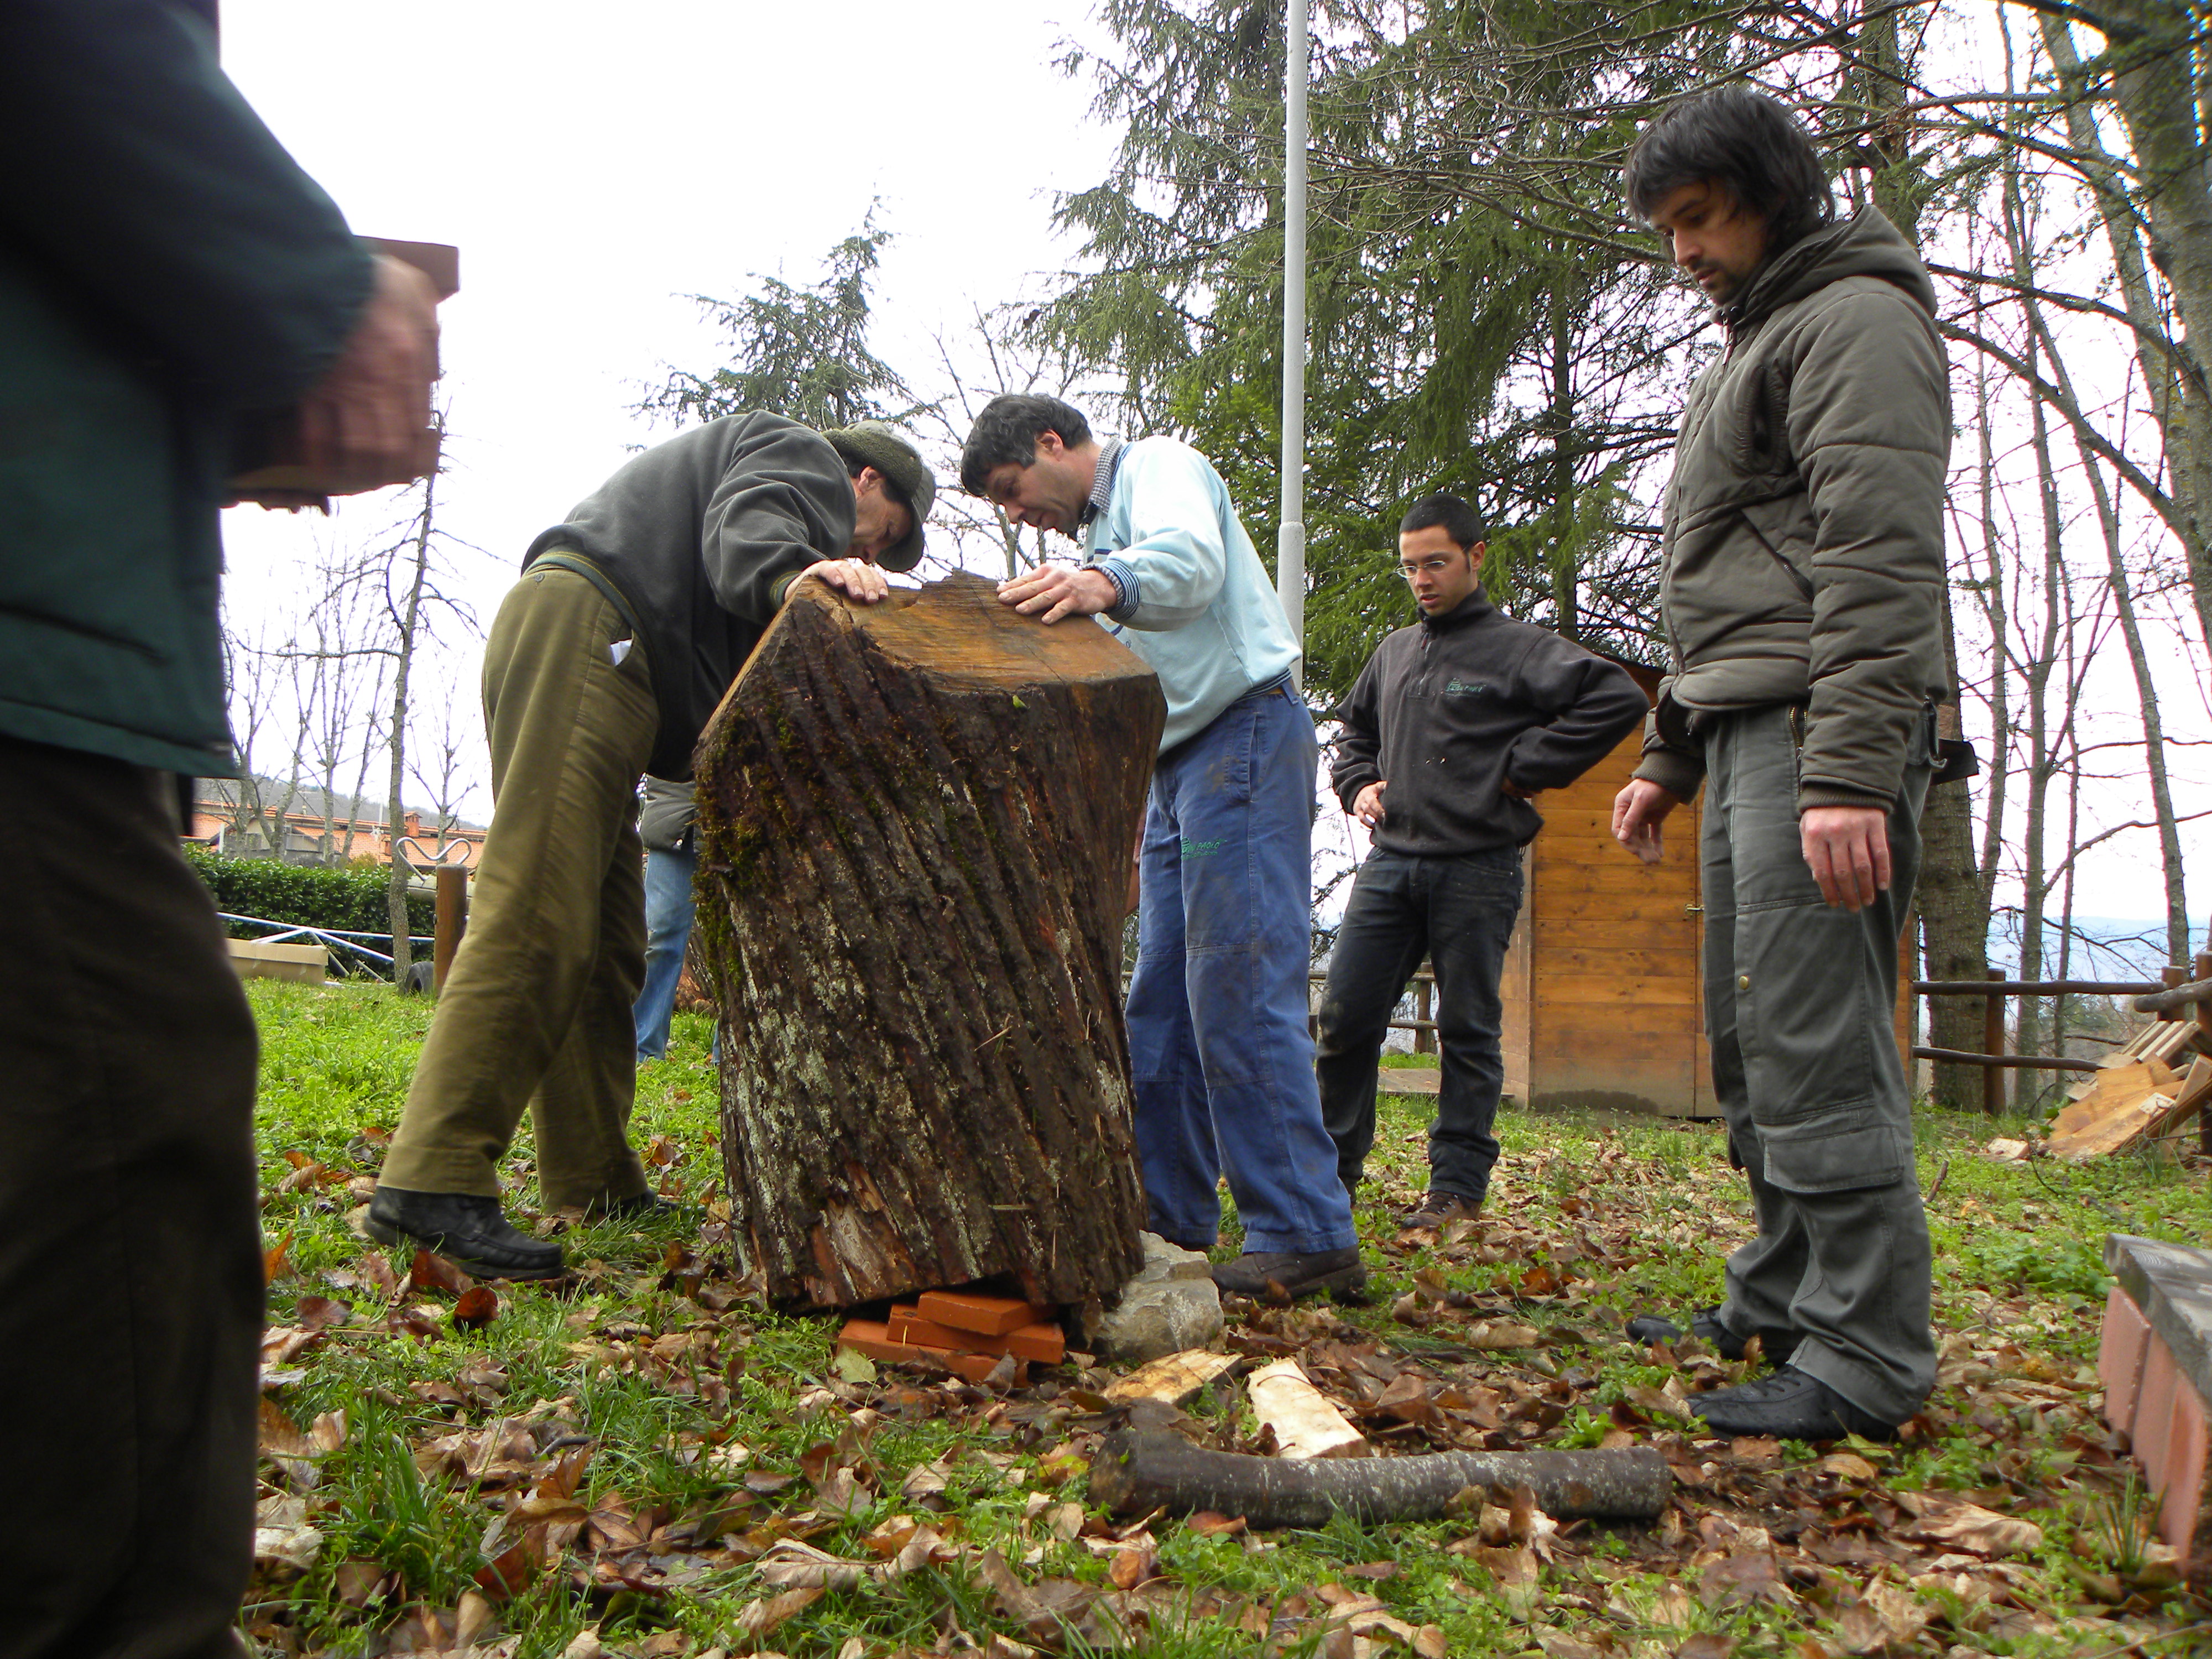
1865, 245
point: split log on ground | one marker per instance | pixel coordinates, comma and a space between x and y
915, 821
1136, 1471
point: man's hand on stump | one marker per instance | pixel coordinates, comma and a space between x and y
1060, 590
856, 579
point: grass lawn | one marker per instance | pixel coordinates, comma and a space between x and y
645, 1462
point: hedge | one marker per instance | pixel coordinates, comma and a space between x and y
351, 898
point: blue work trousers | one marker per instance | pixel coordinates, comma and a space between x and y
668, 873
1218, 1047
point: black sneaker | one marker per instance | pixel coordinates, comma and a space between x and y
1437, 1208
465, 1229
1777, 1343
1284, 1275
1788, 1405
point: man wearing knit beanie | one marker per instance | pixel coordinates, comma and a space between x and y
606, 662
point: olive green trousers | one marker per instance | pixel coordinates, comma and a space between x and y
536, 1009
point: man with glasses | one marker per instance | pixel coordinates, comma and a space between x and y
1451, 729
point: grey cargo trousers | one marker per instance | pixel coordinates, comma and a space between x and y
1799, 1003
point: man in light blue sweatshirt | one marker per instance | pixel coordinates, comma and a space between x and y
1218, 1046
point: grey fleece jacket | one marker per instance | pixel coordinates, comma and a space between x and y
1450, 709
1803, 525
701, 536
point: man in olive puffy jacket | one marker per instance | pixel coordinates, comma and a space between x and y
164, 265
1800, 594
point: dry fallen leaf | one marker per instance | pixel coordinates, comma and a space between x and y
1885, 1615
1846, 1466
477, 1307
1939, 1518
756, 1618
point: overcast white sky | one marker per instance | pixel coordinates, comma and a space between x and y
595, 164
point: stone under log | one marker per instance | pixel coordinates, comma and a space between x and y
915, 821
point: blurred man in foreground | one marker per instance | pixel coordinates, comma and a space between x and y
165, 267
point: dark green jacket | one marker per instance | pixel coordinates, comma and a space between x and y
1804, 522
163, 265
701, 536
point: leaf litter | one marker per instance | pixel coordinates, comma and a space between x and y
780, 1504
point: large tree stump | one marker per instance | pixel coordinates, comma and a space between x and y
914, 826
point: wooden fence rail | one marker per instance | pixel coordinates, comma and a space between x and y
2168, 999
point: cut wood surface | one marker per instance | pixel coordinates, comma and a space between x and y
915, 823
2127, 1105
1173, 1379
1304, 1422
1136, 1471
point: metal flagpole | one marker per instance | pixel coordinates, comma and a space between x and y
1290, 539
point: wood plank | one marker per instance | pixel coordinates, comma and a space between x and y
1305, 1423
1591, 876
1616, 909
1174, 1379
1591, 932
1589, 990
1628, 959
1583, 1019
2125, 1104
1409, 1080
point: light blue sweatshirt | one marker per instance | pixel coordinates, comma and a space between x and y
1205, 617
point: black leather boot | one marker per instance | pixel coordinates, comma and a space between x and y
467, 1230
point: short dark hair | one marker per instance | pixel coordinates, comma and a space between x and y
1008, 431
1447, 512
1745, 142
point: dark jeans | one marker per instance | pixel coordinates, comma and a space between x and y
1459, 912
131, 1281
1800, 1000
1218, 1049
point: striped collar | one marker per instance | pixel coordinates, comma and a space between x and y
1101, 480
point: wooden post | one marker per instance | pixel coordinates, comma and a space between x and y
914, 820
1993, 1043
1425, 1042
2203, 970
452, 921
2176, 974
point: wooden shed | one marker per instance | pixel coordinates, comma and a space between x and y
1604, 1002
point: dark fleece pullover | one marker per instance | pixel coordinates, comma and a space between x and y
701, 536
1448, 710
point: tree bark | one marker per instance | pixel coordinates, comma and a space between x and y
2152, 87
395, 808
1136, 1473
914, 829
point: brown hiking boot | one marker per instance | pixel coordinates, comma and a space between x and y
1437, 1208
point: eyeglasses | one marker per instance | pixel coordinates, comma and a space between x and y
1435, 567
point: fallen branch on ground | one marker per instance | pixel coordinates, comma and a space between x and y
1136, 1471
